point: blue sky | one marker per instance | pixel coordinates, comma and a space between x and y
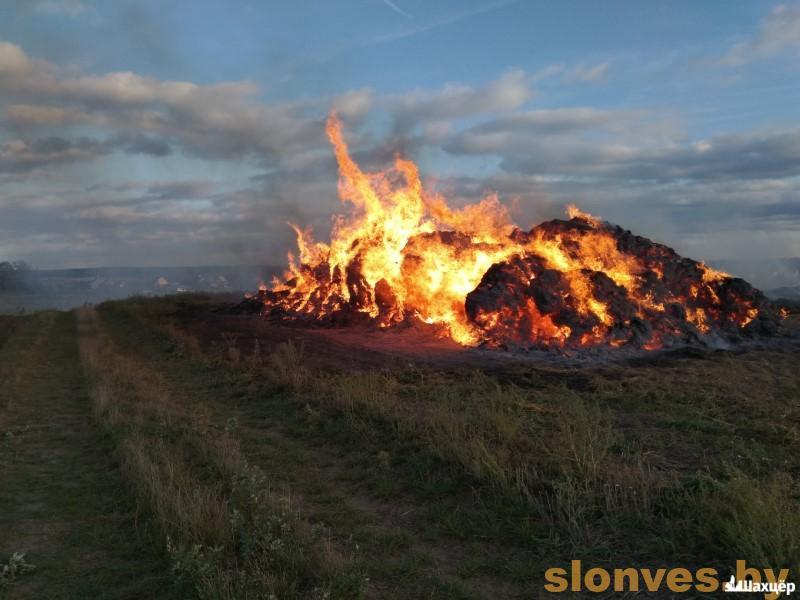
189, 132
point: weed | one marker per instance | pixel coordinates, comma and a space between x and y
12, 569
230, 342
285, 365
585, 436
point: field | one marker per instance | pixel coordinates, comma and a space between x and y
158, 448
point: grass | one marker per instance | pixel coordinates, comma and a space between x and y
622, 450
759, 520
416, 570
256, 473
227, 532
62, 504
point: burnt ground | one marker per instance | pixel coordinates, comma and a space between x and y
367, 346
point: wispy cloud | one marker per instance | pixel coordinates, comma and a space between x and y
439, 22
580, 73
397, 9
71, 8
778, 32
586, 73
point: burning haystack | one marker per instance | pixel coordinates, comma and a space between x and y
402, 254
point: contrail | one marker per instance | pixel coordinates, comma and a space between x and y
437, 23
397, 9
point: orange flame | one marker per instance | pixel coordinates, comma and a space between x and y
401, 252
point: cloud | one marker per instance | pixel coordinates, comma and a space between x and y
580, 73
729, 157
221, 120
225, 120
354, 105
515, 131
397, 9
13, 60
22, 115
777, 33
625, 144
17, 156
586, 73
709, 198
28, 155
708, 219
71, 8
453, 102
572, 142
140, 144
181, 190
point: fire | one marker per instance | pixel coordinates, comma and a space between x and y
573, 212
391, 257
401, 253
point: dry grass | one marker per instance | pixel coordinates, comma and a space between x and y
585, 436
227, 533
286, 366
760, 520
475, 423
188, 345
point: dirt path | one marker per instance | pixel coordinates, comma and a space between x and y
62, 501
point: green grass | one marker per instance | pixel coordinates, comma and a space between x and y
423, 483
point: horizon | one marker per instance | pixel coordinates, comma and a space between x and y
136, 132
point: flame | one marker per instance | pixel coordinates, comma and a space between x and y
401, 252
573, 212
